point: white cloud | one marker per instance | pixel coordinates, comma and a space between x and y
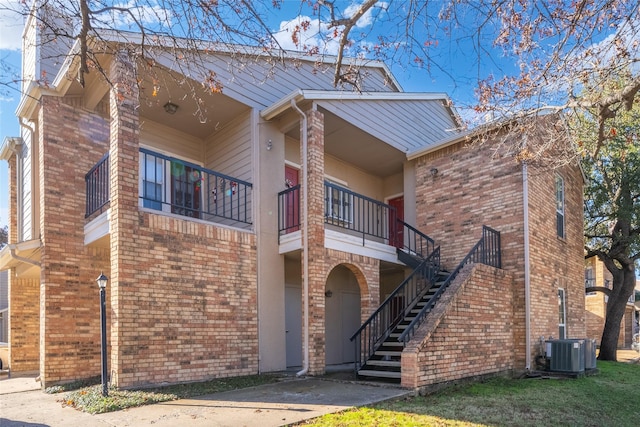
146, 14
11, 22
316, 34
367, 19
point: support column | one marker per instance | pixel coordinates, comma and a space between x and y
124, 216
315, 223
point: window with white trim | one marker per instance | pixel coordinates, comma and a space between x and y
151, 171
339, 205
560, 206
562, 314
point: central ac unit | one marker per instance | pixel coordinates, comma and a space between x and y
566, 355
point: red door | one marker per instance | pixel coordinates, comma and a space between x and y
292, 200
396, 232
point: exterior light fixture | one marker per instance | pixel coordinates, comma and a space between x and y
328, 293
170, 107
433, 171
102, 285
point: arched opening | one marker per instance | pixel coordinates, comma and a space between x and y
342, 315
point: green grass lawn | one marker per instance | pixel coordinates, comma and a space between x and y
611, 398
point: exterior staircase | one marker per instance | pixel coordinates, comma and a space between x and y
385, 361
379, 342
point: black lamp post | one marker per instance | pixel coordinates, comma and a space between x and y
102, 284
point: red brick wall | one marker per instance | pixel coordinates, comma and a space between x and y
73, 140
556, 262
24, 324
321, 260
475, 186
24, 299
315, 225
468, 333
188, 310
183, 293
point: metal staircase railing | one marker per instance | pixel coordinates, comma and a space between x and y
486, 251
394, 308
414, 241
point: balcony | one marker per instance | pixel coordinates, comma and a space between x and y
351, 220
177, 187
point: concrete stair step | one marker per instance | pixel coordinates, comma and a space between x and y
380, 374
386, 363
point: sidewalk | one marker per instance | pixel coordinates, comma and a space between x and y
22, 403
277, 404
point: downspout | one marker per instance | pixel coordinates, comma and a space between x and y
527, 273
12, 252
305, 242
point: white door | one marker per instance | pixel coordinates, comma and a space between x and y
293, 323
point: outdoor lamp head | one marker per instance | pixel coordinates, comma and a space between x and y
102, 281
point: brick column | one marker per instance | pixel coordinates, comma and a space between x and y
23, 295
123, 218
71, 140
315, 224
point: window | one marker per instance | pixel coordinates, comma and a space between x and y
185, 190
560, 206
170, 185
562, 314
589, 279
339, 204
152, 179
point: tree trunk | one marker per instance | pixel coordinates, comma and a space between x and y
615, 311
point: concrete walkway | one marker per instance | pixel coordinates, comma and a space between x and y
293, 400
290, 401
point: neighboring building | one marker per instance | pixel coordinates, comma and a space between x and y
597, 276
262, 237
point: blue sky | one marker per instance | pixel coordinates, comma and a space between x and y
458, 62
281, 21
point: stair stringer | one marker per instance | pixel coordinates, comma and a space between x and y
417, 365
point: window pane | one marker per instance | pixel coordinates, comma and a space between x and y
559, 206
562, 317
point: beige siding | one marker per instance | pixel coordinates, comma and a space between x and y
26, 202
403, 124
30, 52
171, 142
258, 83
229, 150
356, 179
345, 174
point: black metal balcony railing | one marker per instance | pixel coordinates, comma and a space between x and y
346, 209
176, 186
360, 214
97, 186
289, 210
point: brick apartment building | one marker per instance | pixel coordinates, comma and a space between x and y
260, 228
598, 281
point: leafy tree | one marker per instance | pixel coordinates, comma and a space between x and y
612, 208
4, 236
